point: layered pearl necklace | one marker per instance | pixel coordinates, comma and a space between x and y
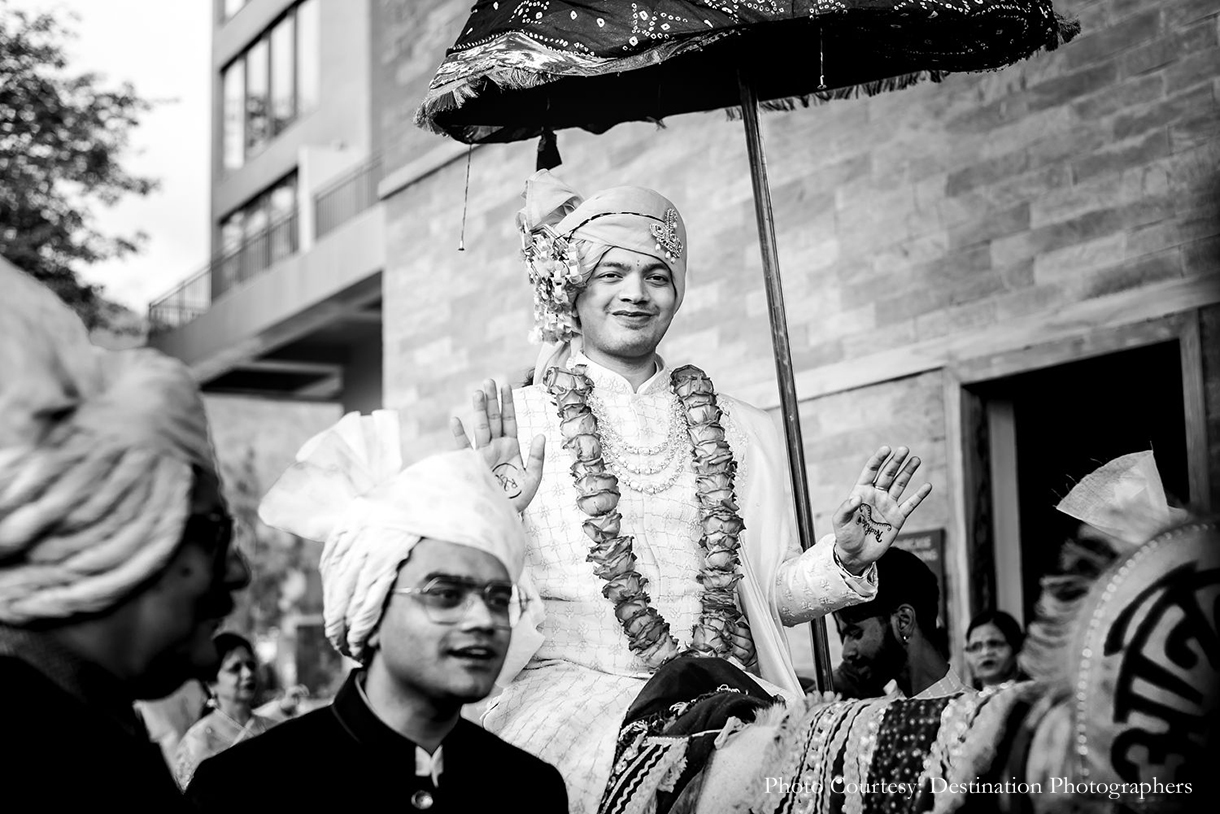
597, 486
622, 457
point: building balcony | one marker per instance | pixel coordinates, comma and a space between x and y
295, 310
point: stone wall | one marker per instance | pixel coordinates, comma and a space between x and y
907, 220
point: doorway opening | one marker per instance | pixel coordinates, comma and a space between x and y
1046, 429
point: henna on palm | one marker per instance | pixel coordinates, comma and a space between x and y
510, 479
874, 527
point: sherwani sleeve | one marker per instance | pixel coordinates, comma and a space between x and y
807, 584
812, 584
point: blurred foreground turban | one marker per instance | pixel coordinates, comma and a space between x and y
96, 450
564, 238
348, 489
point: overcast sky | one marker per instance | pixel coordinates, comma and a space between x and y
163, 48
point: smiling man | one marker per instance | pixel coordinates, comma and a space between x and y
418, 576
115, 559
657, 508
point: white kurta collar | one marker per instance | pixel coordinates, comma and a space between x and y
606, 380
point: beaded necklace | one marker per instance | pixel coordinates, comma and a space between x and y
598, 494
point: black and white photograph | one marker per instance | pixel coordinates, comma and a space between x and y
610, 406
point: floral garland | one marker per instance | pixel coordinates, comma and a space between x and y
598, 496
554, 272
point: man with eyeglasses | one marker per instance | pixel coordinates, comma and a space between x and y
418, 575
115, 559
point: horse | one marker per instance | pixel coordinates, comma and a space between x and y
1121, 713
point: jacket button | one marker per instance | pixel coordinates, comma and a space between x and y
422, 800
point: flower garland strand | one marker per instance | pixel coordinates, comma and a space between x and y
598, 496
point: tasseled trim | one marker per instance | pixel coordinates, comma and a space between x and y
849, 92
486, 68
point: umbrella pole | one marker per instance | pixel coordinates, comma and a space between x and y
783, 359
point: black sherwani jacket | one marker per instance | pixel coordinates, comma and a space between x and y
71, 740
343, 755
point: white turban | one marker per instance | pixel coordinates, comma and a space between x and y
349, 490
634, 218
96, 450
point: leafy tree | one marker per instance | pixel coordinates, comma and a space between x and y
61, 138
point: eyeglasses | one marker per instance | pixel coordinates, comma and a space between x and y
986, 644
447, 600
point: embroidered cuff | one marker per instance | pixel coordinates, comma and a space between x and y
865, 584
814, 584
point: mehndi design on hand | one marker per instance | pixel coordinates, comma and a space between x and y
510, 479
874, 527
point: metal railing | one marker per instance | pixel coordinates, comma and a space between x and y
335, 205
256, 254
346, 197
188, 300
195, 295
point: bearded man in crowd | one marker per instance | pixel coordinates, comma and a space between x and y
657, 509
895, 635
115, 559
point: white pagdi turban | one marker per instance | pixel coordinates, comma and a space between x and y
348, 489
634, 218
96, 450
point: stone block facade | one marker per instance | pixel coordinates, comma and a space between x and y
918, 229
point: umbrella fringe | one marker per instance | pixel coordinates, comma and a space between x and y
461, 92
1065, 30
1062, 30
847, 92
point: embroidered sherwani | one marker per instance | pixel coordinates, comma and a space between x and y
572, 672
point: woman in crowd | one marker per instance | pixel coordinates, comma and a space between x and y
993, 641
232, 718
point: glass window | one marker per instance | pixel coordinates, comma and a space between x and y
271, 84
255, 254
282, 201
231, 230
230, 250
234, 120
257, 235
283, 101
308, 55
283, 198
257, 118
256, 217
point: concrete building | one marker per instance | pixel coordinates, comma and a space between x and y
290, 304
1015, 273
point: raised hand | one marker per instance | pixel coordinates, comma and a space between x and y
871, 517
495, 438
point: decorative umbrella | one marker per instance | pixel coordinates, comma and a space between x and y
526, 68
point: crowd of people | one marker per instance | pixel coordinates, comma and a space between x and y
615, 517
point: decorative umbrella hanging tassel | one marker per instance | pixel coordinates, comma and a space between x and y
465, 201
548, 151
